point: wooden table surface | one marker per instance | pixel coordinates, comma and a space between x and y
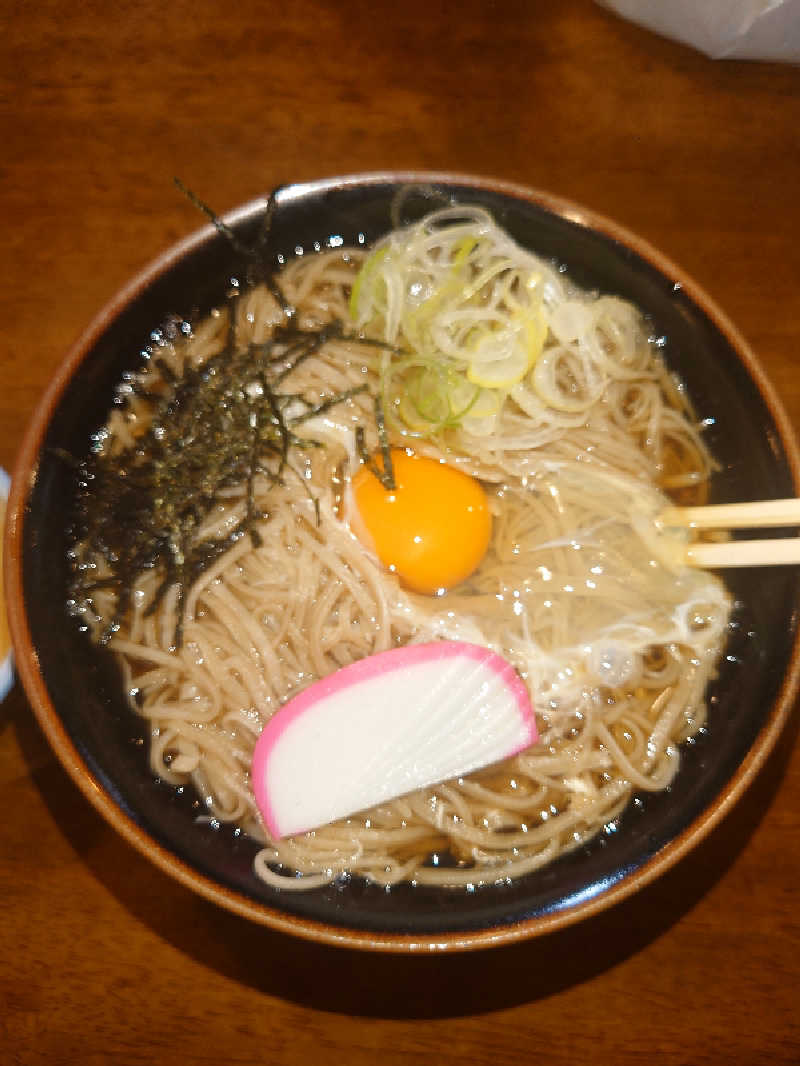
103, 959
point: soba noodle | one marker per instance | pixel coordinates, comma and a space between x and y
614, 638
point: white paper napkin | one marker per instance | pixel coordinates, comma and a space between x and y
723, 29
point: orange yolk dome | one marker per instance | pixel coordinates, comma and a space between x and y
432, 529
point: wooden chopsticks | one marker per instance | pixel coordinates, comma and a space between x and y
761, 515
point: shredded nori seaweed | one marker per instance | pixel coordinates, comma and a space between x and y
221, 424
254, 256
384, 473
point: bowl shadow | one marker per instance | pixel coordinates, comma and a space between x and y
345, 981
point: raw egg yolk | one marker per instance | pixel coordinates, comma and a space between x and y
432, 529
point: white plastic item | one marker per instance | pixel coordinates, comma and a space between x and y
7, 663
722, 29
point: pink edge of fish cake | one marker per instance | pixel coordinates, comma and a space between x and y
364, 670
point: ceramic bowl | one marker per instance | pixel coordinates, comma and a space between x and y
74, 689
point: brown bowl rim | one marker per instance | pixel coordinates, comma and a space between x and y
26, 659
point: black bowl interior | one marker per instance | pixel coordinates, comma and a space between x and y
82, 681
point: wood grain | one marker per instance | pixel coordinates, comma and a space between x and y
102, 958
